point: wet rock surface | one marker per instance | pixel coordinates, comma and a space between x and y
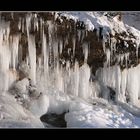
54, 120
67, 30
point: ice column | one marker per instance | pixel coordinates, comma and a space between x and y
32, 51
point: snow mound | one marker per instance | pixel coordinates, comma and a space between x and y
39, 106
59, 102
13, 114
82, 114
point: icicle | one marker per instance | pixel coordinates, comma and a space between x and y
108, 55
86, 33
97, 33
137, 55
51, 27
32, 51
39, 63
79, 35
76, 79
118, 58
122, 58
82, 34
60, 46
55, 15
19, 24
28, 24
5, 58
69, 49
27, 60
67, 65
113, 45
5, 55
22, 25
103, 44
85, 51
126, 59
84, 85
14, 51
133, 84
32, 56
66, 41
118, 83
44, 49
12, 15
123, 85
55, 49
35, 23
45, 54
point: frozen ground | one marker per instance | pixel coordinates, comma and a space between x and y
97, 113
13, 115
100, 116
80, 113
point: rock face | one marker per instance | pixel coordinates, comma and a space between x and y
54, 120
73, 36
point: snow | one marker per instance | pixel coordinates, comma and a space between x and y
59, 102
14, 115
39, 106
96, 20
82, 114
131, 18
21, 86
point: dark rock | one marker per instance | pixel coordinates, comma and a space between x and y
112, 94
67, 30
54, 120
94, 103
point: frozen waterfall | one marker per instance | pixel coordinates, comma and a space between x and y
46, 71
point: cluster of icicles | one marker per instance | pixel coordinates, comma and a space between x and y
69, 80
124, 82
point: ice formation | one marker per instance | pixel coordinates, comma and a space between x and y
49, 86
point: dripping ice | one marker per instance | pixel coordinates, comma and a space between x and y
69, 80
48, 75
